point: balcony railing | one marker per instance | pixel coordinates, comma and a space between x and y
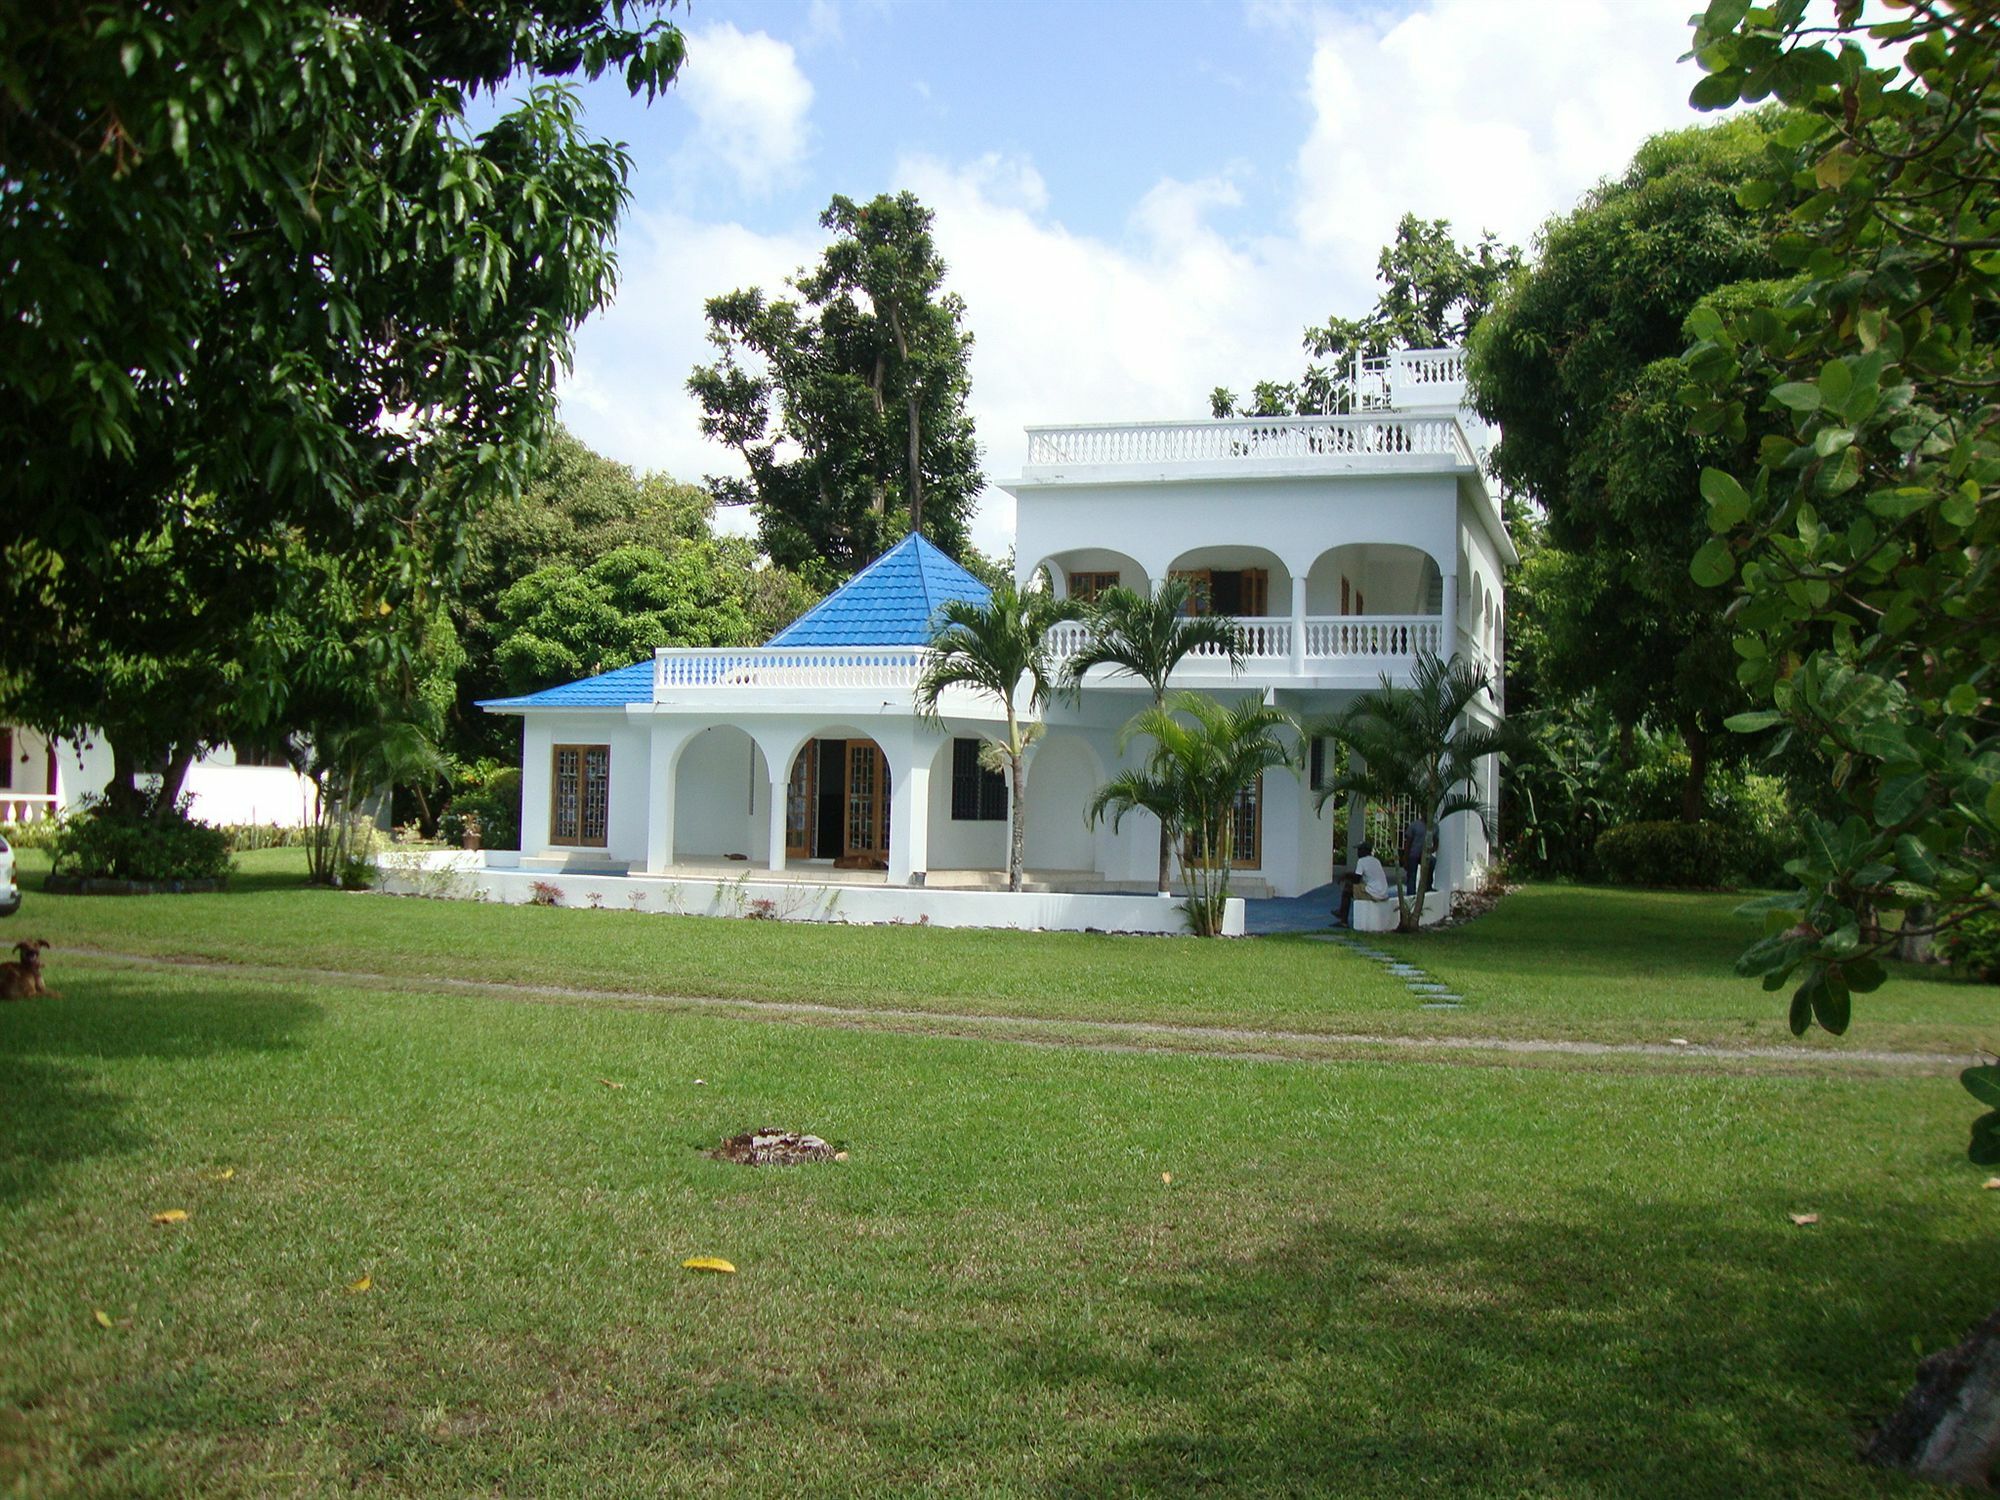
25, 807
680, 667
1349, 638
1251, 440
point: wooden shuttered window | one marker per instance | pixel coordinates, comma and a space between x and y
977, 794
580, 796
1086, 587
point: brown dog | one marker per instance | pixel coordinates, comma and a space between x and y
23, 980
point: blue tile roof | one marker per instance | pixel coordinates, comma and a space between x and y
892, 602
615, 689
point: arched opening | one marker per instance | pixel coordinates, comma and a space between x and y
1375, 578
1249, 583
721, 799
837, 801
1083, 573
1061, 781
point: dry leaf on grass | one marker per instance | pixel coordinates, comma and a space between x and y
1802, 1220
1167, 1178
225, 1174
362, 1285
609, 1084
1991, 1184
103, 1318
170, 1216
840, 1156
708, 1263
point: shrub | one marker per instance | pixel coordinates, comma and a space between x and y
98, 844
1973, 947
496, 803
38, 834
244, 836
1675, 854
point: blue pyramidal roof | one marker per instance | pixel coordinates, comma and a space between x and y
893, 601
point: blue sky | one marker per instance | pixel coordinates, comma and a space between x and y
1138, 201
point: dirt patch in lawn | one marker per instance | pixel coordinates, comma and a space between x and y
772, 1147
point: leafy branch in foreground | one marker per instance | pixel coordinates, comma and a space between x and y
1867, 612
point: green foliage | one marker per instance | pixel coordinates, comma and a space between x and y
104, 843
563, 622
1434, 292
269, 295
1861, 537
495, 802
1692, 856
864, 379
1204, 754
1146, 638
1972, 946
993, 649
1578, 364
1417, 742
40, 833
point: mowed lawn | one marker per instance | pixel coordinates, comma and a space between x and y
1562, 962
1363, 1278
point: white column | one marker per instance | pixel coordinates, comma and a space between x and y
909, 820
781, 791
662, 742
1298, 624
1449, 646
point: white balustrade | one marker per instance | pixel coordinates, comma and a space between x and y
685, 667
1250, 440
1373, 635
25, 807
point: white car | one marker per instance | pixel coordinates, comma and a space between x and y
10, 893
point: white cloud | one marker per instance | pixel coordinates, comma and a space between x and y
1491, 115
750, 101
1484, 113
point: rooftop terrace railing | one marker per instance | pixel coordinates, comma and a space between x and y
1251, 440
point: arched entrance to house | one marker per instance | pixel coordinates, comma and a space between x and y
837, 801
721, 792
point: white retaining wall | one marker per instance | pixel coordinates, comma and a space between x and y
495, 876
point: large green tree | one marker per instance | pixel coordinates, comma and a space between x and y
578, 510
1579, 366
261, 270
847, 404
1434, 292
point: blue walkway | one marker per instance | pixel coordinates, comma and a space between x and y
1312, 912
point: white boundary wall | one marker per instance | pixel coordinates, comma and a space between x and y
495, 876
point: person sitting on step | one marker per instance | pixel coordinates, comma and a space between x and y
1367, 874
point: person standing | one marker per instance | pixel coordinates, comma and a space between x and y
1415, 836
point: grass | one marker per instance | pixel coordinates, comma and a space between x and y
1364, 1278
1594, 965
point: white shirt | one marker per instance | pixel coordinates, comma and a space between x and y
1374, 879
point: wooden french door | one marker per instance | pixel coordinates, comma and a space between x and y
865, 831
802, 803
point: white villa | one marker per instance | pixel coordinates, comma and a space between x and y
44, 778
1343, 545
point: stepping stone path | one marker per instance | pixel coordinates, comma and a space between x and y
1428, 992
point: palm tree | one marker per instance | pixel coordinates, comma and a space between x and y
1147, 638
1416, 743
1204, 755
999, 648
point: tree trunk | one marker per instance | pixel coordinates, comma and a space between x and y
1694, 792
121, 795
1166, 858
1017, 842
1918, 946
1948, 1428
174, 776
916, 466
